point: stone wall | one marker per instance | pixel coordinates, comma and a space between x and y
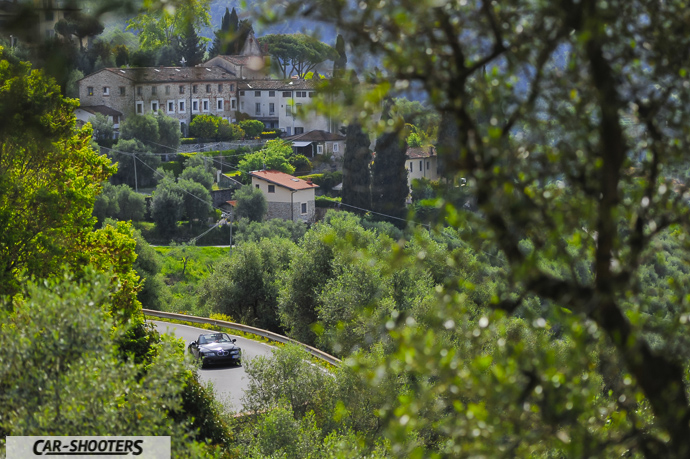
282, 210
221, 196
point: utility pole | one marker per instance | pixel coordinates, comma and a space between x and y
231, 209
136, 184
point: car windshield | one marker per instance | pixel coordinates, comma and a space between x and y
214, 338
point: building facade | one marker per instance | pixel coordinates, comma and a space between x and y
288, 197
313, 143
182, 92
421, 162
178, 92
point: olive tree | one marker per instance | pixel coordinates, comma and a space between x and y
564, 120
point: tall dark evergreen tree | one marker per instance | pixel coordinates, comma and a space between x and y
223, 35
190, 47
340, 61
356, 174
239, 36
389, 187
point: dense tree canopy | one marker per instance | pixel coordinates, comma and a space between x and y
49, 176
274, 156
251, 203
565, 120
158, 26
297, 54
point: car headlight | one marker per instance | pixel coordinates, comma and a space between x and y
208, 354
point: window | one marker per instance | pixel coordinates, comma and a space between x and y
106, 91
427, 165
301, 94
298, 107
204, 105
220, 87
288, 110
194, 87
271, 93
139, 90
180, 106
336, 147
241, 93
171, 107
287, 94
195, 106
311, 94
123, 90
154, 106
271, 188
304, 207
219, 105
154, 90
242, 106
411, 167
421, 167
233, 104
167, 90
140, 107
232, 87
89, 90
257, 93
271, 108
181, 89
258, 108
208, 88
257, 187
299, 130
319, 149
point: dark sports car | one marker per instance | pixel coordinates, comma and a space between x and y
215, 348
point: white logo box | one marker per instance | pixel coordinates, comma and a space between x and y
84, 447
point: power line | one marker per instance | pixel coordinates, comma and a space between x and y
163, 175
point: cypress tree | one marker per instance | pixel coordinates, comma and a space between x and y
389, 187
190, 46
221, 36
340, 62
356, 174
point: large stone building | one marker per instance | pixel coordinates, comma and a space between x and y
178, 92
182, 92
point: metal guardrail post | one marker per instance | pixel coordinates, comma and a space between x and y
246, 329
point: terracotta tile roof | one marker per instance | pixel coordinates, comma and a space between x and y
282, 179
174, 74
316, 136
420, 152
103, 109
277, 85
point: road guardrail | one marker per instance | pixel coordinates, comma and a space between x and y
245, 329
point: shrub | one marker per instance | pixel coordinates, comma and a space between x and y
205, 126
173, 166
227, 131
327, 202
252, 128
300, 163
270, 134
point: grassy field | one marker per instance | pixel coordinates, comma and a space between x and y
183, 268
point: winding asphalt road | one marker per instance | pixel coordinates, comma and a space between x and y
229, 381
